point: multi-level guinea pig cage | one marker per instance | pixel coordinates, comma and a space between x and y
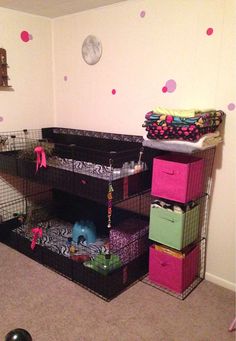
78, 202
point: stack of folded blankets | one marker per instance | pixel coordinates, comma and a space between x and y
170, 129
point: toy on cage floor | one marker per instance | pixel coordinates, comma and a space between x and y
18, 334
84, 231
36, 212
80, 258
104, 263
37, 236
77, 254
21, 217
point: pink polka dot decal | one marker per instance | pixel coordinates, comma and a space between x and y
25, 36
113, 91
142, 14
1, 118
209, 31
65, 78
231, 106
170, 86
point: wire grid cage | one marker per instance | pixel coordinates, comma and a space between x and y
78, 177
14, 188
100, 147
16, 140
208, 156
11, 188
196, 263
85, 169
15, 145
178, 225
12, 209
10, 215
96, 266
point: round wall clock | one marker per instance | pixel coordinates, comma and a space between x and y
91, 50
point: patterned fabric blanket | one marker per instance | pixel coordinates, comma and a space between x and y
77, 166
209, 140
159, 126
93, 169
55, 237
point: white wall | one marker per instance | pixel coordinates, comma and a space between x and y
30, 105
139, 56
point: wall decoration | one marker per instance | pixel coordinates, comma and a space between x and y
1, 118
209, 31
3, 69
142, 14
25, 36
170, 86
65, 78
231, 106
91, 50
113, 91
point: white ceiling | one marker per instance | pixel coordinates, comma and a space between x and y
54, 8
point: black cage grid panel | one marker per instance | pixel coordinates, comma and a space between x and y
14, 145
9, 218
11, 188
85, 183
14, 212
203, 201
188, 264
208, 155
192, 217
199, 261
14, 187
13, 140
100, 266
12, 209
81, 164
92, 146
184, 271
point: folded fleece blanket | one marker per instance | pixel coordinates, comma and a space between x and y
207, 141
176, 112
206, 119
181, 128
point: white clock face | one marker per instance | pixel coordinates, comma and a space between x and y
91, 50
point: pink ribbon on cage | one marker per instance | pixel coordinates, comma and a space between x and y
37, 232
40, 157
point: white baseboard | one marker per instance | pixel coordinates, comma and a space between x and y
220, 281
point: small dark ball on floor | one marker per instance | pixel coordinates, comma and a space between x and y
18, 335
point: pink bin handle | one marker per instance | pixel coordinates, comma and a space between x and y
169, 172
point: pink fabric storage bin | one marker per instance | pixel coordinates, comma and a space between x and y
173, 270
177, 177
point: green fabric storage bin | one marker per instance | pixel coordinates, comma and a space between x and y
174, 229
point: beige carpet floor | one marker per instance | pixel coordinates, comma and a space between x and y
52, 308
